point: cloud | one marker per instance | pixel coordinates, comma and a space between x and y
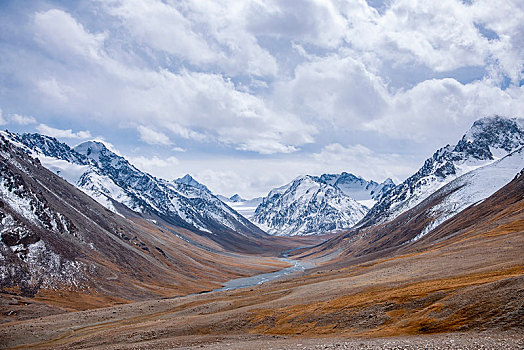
153, 137
60, 133
57, 91
362, 161
336, 88
60, 34
22, 119
162, 27
154, 165
2, 120
440, 110
204, 33
279, 82
313, 22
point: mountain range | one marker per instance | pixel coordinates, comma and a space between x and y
307, 205
111, 179
317, 204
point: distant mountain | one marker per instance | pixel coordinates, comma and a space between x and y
479, 197
488, 140
188, 180
246, 207
307, 205
361, 190
236, 198
112, 180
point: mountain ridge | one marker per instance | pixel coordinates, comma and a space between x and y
489, 139
110, 178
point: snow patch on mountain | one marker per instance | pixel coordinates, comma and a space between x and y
246, 207
473, 187
190, 181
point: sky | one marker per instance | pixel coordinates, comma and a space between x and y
247, 95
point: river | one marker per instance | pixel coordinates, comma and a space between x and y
244, 282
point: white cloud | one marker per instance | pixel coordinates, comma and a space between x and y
154, 165
440, 34
313, 22
60, 34
57, 91
162, 27
22, 119
439, 111
362, 161
153, 137
2, 120
335, 88
205, 33
61, 133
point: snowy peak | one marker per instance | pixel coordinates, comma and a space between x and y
489, 139
190, 181
236, 198
308, 205
92, 149
103, 158
358, 188
109, 178
491, 133
49, 147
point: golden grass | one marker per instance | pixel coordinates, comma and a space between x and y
411, 309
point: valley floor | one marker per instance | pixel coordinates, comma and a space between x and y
473, 284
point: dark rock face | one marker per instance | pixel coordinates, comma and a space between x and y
27, 218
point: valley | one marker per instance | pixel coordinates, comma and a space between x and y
115, 258
471, 282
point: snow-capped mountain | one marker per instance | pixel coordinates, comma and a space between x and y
236, 198
488, 140
472, 188
308, 205
246, 207
55, 237
190, 181
110, 178
363, 191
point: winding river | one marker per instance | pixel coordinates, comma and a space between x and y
244, 282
